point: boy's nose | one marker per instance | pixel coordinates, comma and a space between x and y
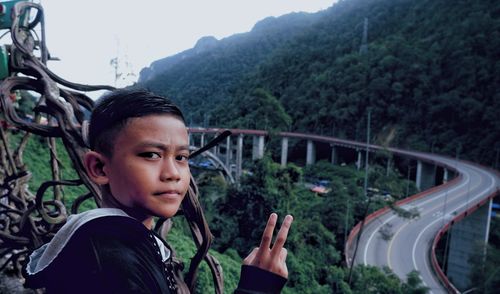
169, 171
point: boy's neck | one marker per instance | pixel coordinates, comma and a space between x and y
146, 220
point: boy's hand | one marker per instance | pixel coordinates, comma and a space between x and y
273, 258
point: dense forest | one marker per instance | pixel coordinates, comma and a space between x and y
429, 73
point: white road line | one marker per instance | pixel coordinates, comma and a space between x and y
365, 253
439, 219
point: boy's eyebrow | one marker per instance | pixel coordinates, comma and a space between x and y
162, 146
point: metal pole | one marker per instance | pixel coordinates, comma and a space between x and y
367, 149
366, 196
408, 181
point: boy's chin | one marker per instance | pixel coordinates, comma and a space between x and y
167, 212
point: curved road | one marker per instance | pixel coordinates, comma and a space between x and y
408, 247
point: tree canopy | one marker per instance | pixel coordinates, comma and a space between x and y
430, 72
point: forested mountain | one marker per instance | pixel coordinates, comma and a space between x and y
430, 74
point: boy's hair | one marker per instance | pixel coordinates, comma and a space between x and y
114, 109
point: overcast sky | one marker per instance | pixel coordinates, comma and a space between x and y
87, 34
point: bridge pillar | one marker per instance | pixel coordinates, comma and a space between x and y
228, 152
465, 238
216, 149
359, 161
426, 175
389, 166
335, 156
257, 147
446, 175
311, 153
239, 157
284, 151
202, 142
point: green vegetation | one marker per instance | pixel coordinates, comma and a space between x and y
485, 273
430, 75
36, 157
321, 223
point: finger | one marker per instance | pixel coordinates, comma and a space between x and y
282, 234
284, 271
267, 237
250, 258
283, 255
281, 267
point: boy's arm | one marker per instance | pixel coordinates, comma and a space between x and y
265, 270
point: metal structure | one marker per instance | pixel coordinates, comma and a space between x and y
28, 218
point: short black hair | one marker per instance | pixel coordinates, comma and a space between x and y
114, 109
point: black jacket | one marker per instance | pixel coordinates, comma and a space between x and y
102, 252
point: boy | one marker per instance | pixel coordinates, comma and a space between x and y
139, 157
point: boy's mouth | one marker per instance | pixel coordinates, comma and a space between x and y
168, 193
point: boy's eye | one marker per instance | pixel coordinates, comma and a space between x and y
181, 157
150, 155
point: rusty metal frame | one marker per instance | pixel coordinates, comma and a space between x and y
27, 219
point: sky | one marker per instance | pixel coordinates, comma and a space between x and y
87, 34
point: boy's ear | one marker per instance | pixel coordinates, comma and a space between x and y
94, 165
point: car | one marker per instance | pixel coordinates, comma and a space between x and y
206, 164
320, 189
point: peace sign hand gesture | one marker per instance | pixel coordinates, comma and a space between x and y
271, 258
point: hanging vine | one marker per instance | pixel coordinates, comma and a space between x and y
29, 219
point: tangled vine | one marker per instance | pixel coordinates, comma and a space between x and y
29, 219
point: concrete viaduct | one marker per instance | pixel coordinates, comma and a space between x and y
456, 197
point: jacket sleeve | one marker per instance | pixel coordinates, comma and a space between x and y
254, 280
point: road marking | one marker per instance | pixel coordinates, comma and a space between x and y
464, 171
487, 190
365, 253
438, 212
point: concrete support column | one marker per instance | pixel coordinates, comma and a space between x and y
257, 147
389, 166
202, 142
311, 153
335, 156
466, 236
254, 148
215, 149
239, 157
284, 151
260, 147
228, 152
190, 139
359, 161
446, 175
426, 175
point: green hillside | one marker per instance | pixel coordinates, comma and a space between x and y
429, 74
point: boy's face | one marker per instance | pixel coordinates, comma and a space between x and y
148, 171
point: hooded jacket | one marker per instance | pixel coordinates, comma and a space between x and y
106, 251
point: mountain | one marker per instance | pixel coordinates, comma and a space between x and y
202, 77
429, 75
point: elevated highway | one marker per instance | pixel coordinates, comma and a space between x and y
405, 245
386, 239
